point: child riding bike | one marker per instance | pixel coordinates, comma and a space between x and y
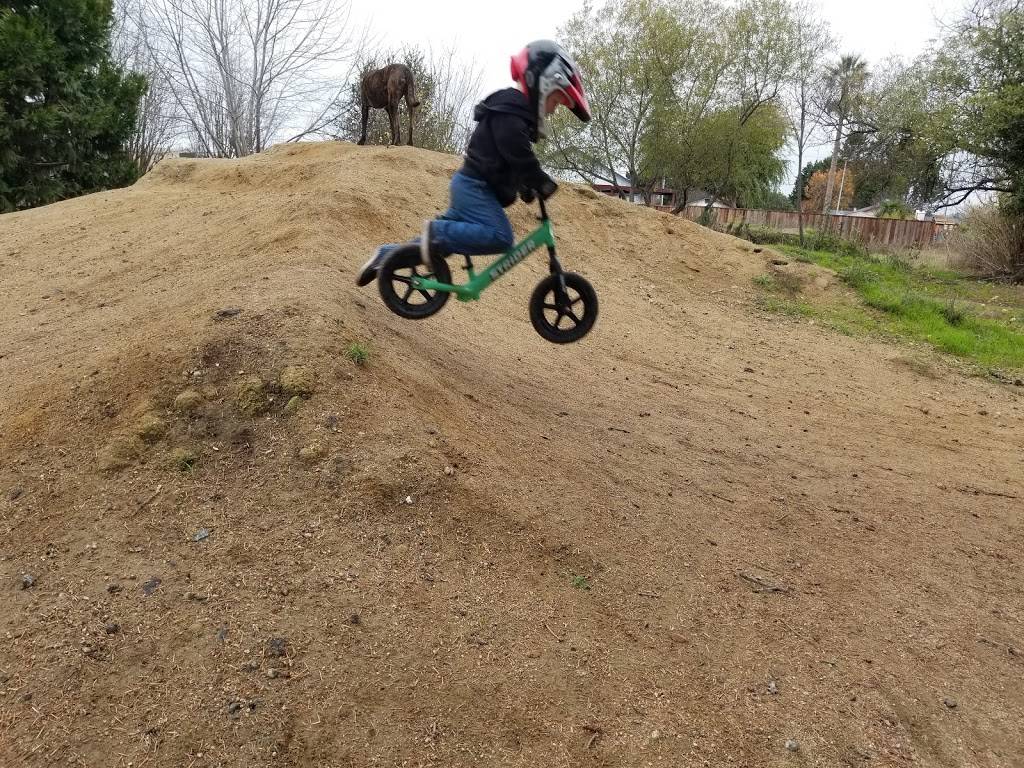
500, 163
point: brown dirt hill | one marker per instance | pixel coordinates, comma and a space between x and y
699, 533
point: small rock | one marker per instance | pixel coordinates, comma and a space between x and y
331, 421
773, 688
983, 412
112, 628
354, 620
151, 586
250, 666
188, 401
277, 647
152, 428
227, 312
298, 381
272, 673
251, 396
655, 735
27, 581
408, 499
792, 745
119, 453
293, 405
222, 634
234, 707
312, 453
26, 697
15, 494
114, 588
201, 535
748, 370
449, 471
951, 703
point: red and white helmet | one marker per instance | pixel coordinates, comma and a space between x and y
542, 68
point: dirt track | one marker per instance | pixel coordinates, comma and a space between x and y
701, 532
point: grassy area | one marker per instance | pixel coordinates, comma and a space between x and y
977, 321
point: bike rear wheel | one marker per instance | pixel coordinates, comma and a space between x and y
394, 280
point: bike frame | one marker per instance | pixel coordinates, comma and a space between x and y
544, 235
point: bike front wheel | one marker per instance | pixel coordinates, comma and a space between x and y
563, 307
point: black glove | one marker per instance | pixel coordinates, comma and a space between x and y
527, 195
547, 189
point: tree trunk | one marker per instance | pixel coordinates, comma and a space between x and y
681, 206
801, 183
830, 187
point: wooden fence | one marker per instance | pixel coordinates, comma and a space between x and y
897, 233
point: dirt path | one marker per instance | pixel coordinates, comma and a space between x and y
699, 534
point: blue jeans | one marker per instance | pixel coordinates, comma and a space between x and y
475, 224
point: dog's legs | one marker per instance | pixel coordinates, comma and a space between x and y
396, 129
366, 117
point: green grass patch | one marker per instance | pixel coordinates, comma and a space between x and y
358, 353
953, 313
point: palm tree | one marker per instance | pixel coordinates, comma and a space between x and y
844, 91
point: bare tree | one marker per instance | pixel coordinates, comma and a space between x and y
813, 39
156, 124
241, 71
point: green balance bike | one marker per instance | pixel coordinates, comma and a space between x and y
563, 307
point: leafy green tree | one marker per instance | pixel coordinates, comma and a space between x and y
65, 109
800, 185
634, 55
978, 83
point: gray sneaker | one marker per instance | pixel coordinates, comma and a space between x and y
368, 272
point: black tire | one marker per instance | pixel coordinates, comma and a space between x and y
397, 270
563, 318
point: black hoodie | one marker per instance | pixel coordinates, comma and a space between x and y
500, 150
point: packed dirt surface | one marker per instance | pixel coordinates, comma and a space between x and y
703, 536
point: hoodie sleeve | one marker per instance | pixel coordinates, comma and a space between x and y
512, 138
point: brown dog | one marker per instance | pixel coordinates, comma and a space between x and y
383, 89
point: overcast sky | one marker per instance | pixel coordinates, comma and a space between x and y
872, 28
875, 29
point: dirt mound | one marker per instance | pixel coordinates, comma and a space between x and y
699, 534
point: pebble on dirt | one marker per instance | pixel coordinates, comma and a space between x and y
201, 535
187, 401
951, 703
792, 745
313, 453
277, 647
112, 628
298, 381
773, 688
151, 586
27, 581
251, 396
152, 428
